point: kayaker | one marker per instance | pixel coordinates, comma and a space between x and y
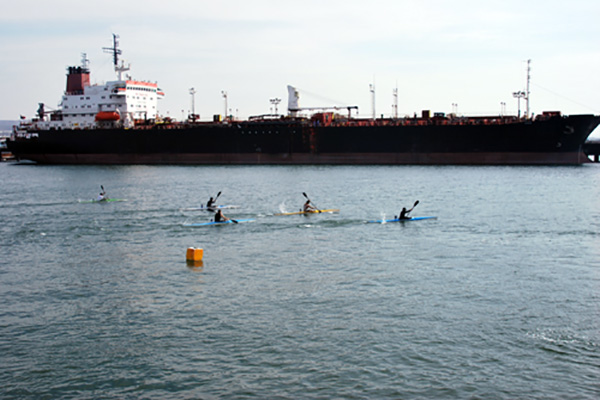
210, 203
308, 206
404, 213
219, 217
102, 196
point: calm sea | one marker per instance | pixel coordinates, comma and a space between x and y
499, 298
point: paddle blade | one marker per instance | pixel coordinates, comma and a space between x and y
305, 195
416, 202
234, 221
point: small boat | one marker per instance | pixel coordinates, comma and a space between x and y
330, 210
384, 221
236, 221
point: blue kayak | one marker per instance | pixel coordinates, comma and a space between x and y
383, 221
239, 221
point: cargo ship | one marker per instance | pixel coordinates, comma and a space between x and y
118, 123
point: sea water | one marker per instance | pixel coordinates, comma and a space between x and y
498, 298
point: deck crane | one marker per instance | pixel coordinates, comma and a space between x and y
294, 108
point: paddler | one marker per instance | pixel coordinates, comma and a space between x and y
219, 217
210, 203
102, 196
309, 207
404, 213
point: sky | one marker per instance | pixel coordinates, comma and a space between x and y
443, 56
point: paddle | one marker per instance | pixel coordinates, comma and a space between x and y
305, 195
218, 194
413, 207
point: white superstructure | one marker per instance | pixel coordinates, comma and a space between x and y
122, 103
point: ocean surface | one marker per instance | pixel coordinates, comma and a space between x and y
497, 298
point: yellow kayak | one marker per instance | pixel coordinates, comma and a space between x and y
331, 210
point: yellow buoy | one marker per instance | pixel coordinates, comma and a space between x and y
194, 254
194, 257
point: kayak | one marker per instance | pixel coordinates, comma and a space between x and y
101, 201
383, 221
331, 210
216, 223
213, 208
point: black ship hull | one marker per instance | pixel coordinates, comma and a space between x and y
550, 140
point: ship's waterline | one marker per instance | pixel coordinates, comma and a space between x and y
573, 158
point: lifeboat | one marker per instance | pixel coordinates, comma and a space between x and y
108, 116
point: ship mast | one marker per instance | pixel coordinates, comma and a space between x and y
528, 81
372, 90
224, 93
395, 105
116, 52
193, 93
524, 95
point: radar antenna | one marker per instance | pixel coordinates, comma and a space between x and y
85, 62
116, 52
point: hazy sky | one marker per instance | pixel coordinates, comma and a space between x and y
437, 53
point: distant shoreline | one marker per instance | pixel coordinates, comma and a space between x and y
6, 126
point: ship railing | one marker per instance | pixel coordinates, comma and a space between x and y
437, 121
